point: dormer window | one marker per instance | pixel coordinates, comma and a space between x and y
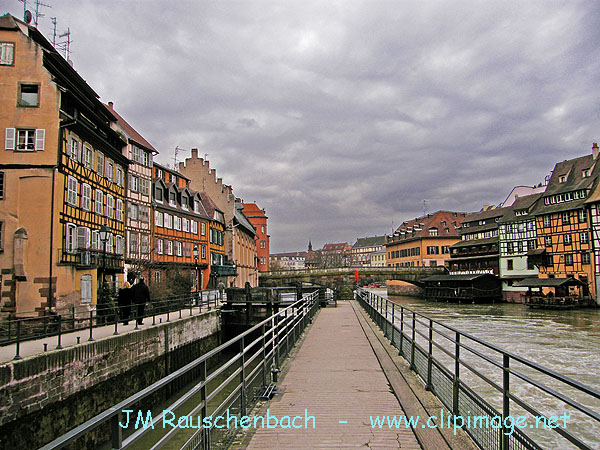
172, 198
184, 202
585, 173
433, 232
197, 206
562, 178
158, 194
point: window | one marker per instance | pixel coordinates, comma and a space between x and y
160, 247
565, 217
144, 186
145, 244
88, 157
86, 197
98, 202
110, 168
567, 239
177, 223
583, 237
7, 53
195, 227
73, 148
169, 247
100, 164
548, 241
119, 176
433, 250
1, 185
582, 216
133, 243
72, 191
262, 229
263, 244
509, 264
172, 198
433, 232
178, 248
445, 249
547, 220
132, 211
197, 205
585, 173
70, 237
29, 94
1, 234
120, 245
133, 183
110, 202
203, 250
184, 202
562, 178
158, 194
585, 258
568, 259
168, 221
86, 288
202, 228
95, 239
186, 225
120, 210
510, 248
531, 244
144, 213
158, 219
28, 140
83, 238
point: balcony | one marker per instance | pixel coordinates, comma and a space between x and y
87, 259
224, 270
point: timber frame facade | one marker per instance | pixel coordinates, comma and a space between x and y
563, 223
179, 227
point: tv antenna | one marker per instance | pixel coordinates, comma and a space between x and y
53, 19
177, 148
38, 14
65, 45
424, 207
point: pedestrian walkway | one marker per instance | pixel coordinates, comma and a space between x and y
81, 336
335, 377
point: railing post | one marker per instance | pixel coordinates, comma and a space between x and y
455, 385
17, 356
264, 354
59, 346
385, 330
413, 343
505, 402
243, 376
116, 431
204, 410
429, 356
393, 321
73, 316
91, 325
400, 352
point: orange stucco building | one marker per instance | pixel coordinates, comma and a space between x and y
258, 219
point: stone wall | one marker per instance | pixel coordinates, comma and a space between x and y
46, 395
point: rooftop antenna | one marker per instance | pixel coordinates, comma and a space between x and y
177, 148
53, 19
38, 14
424, 207
65, 46
206, 157
26, 13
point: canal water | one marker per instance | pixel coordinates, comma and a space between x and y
567, 342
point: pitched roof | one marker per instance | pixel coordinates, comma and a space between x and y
525, 203
242, 220
253, 210
209, 205
372, 241
446, 222
129, 130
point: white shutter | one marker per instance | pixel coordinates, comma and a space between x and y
9, 139
40, 135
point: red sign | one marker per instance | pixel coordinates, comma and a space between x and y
356, 275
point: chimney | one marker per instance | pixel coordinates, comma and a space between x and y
110, 105
595, 150
194, 153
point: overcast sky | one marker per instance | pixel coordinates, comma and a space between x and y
341, 117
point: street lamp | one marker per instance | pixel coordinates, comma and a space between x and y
105, 235
195, 252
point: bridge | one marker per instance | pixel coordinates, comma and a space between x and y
324, 374
341, 279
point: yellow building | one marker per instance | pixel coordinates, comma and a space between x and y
62, 176
424, 241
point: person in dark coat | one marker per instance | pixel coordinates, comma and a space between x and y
124, 301
141, 295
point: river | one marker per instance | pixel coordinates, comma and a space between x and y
567, 342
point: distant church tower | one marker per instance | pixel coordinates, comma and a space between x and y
310, 246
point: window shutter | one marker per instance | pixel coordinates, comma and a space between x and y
9, 141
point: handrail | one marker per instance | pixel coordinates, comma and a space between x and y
55, 322
405, 326
305, 308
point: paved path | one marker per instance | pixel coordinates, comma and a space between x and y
336, 377
69, 339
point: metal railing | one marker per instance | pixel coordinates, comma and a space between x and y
58, 321
246, 365
473, 378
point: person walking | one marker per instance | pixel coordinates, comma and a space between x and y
124, 302
141, 295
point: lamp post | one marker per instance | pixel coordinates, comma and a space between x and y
195, 251
105, 235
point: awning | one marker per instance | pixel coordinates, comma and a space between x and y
536, 251
549, 282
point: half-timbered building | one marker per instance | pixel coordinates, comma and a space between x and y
562, 222
140, 154
222, 269
179, 230
62, 178
518, 241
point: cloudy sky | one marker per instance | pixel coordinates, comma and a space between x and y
341, 117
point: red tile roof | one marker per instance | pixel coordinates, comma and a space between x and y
129, 130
